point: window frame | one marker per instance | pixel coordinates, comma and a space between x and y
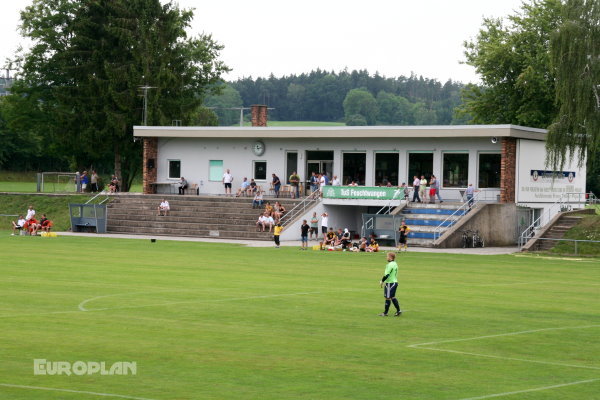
443, 177
210, 171
254, 162
479, 154
169, 161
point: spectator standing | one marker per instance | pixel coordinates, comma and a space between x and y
227, 181
295, 182
335, 181
324, 224
30, 213
314, 226
404, 191
94, 182
182, 185
314, 182
85, 180
436, 186
304, 228
276, 185
423, 189
470, 193
416, 184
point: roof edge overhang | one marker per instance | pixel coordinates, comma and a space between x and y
358, 132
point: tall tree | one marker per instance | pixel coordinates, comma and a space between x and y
575, 56
89, 59
360, 102
513, 61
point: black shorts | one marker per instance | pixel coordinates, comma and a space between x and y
389, 290
313, 230
402, 240
323, 229
227, 185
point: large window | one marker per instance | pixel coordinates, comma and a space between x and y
489, 170
386, 168
260, 170
215, 170
419, 164
354, 168
174, 169
291, 165
456, 169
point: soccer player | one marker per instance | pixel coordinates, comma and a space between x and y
403, 241
389, 283
304, 228
276, 234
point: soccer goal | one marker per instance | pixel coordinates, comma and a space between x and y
57, 182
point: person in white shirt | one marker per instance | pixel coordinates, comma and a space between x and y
260, 223
18, 225
336, 181
416, 184
268, 221
163, 208
423, 189
258, 200
30, 213
227, 181
324, 223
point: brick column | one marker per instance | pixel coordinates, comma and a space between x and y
149, 173
508, 170
259, 115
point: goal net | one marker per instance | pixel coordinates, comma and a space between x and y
57, 182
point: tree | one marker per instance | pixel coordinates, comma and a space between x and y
89, 59
514, 63
361, 102
228, 98
575, 56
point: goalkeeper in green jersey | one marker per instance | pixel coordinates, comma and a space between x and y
389, 283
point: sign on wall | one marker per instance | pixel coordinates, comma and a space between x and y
360, 192
538, 184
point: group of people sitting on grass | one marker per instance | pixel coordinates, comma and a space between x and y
30, 224
342, 240
270, 216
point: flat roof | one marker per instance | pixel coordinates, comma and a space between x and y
359, 132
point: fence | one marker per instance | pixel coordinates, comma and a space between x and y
579, 247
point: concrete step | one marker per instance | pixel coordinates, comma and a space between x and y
192, 233
181, 225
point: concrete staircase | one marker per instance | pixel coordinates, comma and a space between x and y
190, 215
557, 231
423, 219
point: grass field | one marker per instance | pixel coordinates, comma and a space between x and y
217, 321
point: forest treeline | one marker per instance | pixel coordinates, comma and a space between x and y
356, 98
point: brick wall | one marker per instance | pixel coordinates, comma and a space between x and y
508, 170
149, 175
259, 115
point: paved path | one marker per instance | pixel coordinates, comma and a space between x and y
294, 243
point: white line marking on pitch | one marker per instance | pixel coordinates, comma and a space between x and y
120, 396
531, 390
422, 346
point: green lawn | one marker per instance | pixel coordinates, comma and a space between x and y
217, 321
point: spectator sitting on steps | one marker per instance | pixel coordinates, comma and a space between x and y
242, 191
164, 208
258, 200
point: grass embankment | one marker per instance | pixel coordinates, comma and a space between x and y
56, 207
587, 229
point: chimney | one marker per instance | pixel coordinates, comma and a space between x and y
259, 115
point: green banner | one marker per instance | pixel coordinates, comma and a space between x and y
360, 192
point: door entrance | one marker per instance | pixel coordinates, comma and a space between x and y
318, 162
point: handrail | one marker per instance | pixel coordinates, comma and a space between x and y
437, 232
389, 204
104, 192
367, 225
301, 207
530, 231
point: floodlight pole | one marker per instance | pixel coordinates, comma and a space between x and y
145, 89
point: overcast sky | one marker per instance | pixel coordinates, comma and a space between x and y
394, 37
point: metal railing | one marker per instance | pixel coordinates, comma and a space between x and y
574, 241
386, 209
564, 203
102, 193
301, 207
460, 212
